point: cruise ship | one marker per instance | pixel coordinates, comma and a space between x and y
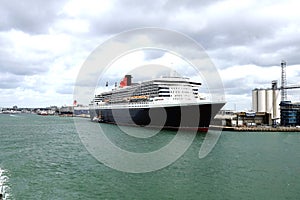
169, 102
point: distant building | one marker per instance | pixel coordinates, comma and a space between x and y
289, 113
66, 110
233, 119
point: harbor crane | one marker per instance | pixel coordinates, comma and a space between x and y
284, 86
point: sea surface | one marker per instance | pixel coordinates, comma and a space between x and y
42, 157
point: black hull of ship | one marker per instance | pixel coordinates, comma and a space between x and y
174, 117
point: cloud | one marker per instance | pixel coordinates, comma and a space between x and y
26, 54
153, 54
32, 16
8, 81
44, 44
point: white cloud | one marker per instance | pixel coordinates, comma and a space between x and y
72, 26
87, 8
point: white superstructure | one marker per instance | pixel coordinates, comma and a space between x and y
166, 91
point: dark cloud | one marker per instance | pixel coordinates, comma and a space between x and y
10, 81
32, 16
22, 66
118, 21
19, 68
235, 30
240, 36
244, 85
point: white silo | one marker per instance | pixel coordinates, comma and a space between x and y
254, 100
276, 102
261, 100
269, 101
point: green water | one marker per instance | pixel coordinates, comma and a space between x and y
43, 158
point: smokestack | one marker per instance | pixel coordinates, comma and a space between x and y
128, 77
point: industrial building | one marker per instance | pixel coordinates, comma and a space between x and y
283, 112
269, 107
236, 119
290, 113
268, 100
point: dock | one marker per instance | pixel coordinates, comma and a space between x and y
257, 128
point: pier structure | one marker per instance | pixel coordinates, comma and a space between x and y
242, 119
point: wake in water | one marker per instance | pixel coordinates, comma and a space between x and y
3, 187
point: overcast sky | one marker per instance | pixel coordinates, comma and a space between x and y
44, 43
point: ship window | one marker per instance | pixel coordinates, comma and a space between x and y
163, 95
163, 88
